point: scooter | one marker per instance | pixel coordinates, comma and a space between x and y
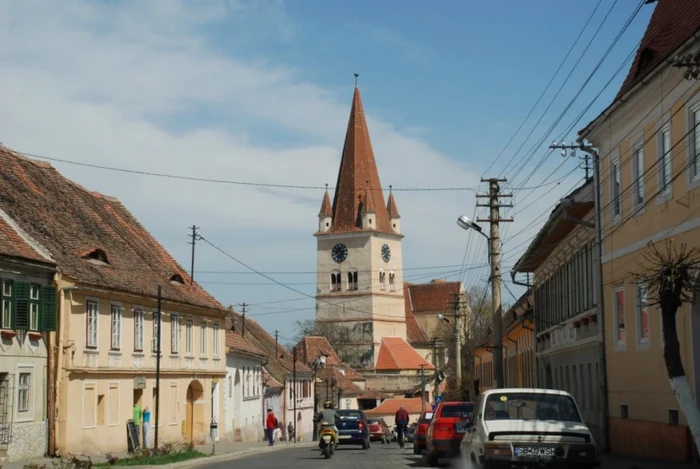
327, 441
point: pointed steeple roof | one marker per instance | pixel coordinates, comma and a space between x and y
391, 206
358, 174
368, 204
326, 210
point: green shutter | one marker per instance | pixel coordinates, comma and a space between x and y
21, 296
47, 310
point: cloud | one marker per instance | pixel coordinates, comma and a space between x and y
145, 86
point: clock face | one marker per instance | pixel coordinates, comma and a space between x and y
339, 252
386, 253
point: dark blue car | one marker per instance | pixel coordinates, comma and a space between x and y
352, 428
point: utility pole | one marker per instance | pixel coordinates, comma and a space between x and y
294, 389
243, 311
195, 237
422, 388
159, 322
458, 341
436, 363
495, 220
276, 343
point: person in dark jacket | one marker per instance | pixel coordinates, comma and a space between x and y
401, 420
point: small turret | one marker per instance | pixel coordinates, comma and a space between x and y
369, 210
394, 217
325, 216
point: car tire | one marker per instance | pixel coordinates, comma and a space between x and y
365, 445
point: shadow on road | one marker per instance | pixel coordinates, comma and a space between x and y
420, 461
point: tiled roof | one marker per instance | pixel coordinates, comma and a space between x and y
13, 244
371, 394
396, 354
391, 207
326, 210
279, 360
413, 405
71, 223
349, 388
433, 296
236, 342
414, 333
522, 308
311, 347
358, 174
672, 24
271, 382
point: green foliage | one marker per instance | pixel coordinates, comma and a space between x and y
166, 453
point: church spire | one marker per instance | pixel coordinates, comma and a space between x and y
391, 206
358, 175
326, 210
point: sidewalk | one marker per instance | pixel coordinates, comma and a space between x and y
224, 451
623, 462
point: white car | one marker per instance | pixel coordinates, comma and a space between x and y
528, 428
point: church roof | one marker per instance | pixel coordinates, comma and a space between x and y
357, 175
313, 346
326, 210
413, 405
395, 354
391, 207
433, 296
414, 333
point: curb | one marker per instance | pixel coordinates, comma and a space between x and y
226, 456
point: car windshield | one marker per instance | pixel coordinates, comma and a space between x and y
531, 406
349, 414
457, 410
373, 422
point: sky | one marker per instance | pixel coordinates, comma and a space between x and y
259, 91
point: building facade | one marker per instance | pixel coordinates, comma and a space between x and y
243, 400
649, 145
563, 261
110, 318
27, 316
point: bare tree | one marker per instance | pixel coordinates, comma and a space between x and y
338, 336
670, 279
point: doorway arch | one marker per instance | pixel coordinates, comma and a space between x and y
194, 414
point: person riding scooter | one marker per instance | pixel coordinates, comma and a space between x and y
327, 417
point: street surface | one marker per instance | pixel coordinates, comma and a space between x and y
378, 456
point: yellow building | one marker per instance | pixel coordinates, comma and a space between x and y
103, 353
649, 146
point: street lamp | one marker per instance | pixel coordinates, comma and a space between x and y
495, 260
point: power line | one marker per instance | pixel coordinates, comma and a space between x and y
314, 272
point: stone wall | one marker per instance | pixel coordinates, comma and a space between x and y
29, 441
392, 382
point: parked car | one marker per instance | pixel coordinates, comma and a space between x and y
522, 427
422, 431
379, 430
409, 433
352, 428
447, 429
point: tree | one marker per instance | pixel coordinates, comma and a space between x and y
670, 280
338, 336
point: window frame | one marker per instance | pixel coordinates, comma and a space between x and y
615, 190
392, 281
693, 150
6, 301
26, 393
95, 324
154, 339
139, 321
115, 326
638, 177
642, 342
203, 338
215, 339
620, 345
189, 337
174, 334
665, 162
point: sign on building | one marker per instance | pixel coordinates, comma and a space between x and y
139, 382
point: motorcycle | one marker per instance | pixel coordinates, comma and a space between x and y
327, 441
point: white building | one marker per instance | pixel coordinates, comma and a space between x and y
243, 401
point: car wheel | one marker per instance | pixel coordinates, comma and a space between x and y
365, 445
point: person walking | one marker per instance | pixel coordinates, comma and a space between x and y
146, 428
137, 421
401, 423
270, 425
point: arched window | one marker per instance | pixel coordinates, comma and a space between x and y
392, 284
382, 280
352, 280
335, 281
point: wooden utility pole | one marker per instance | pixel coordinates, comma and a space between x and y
422, 388
495, 220
458, 341
195, 237
243, 311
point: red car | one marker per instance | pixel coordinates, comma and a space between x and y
379, 431
447, 429
421, 431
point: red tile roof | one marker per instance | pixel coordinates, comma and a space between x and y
414, 333
69, 221
344, 382
236, 342
395, 354
413, 405
391, 208
434, 296
13, 243
358, 173
271, 382
326, 209
311, 347
672, 24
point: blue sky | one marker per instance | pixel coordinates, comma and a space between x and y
260, 91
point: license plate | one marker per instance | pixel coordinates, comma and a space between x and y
533, 451
345, 437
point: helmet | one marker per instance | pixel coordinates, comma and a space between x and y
327, 405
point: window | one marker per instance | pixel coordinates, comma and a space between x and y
156, 325
89, 405
392, 278
138, 330
6, 305
619, 312
34, 307
642, 314
615, 200
113, 403
695, 152
382, 280
174, 334
665, 165
335, 281
92, 310
116, 327
673, 417
188, 336
203, 338
638, 168
352, 280
24, 392
624, 411
215, 341
172, 400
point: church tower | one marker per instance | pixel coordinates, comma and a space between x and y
359, 268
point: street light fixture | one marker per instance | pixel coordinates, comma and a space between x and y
465, 223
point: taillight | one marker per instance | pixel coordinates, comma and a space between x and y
362, 426
497, 449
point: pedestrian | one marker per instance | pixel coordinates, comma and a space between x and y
401, 423
270, 426
290, 431
137, 422
146, 428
